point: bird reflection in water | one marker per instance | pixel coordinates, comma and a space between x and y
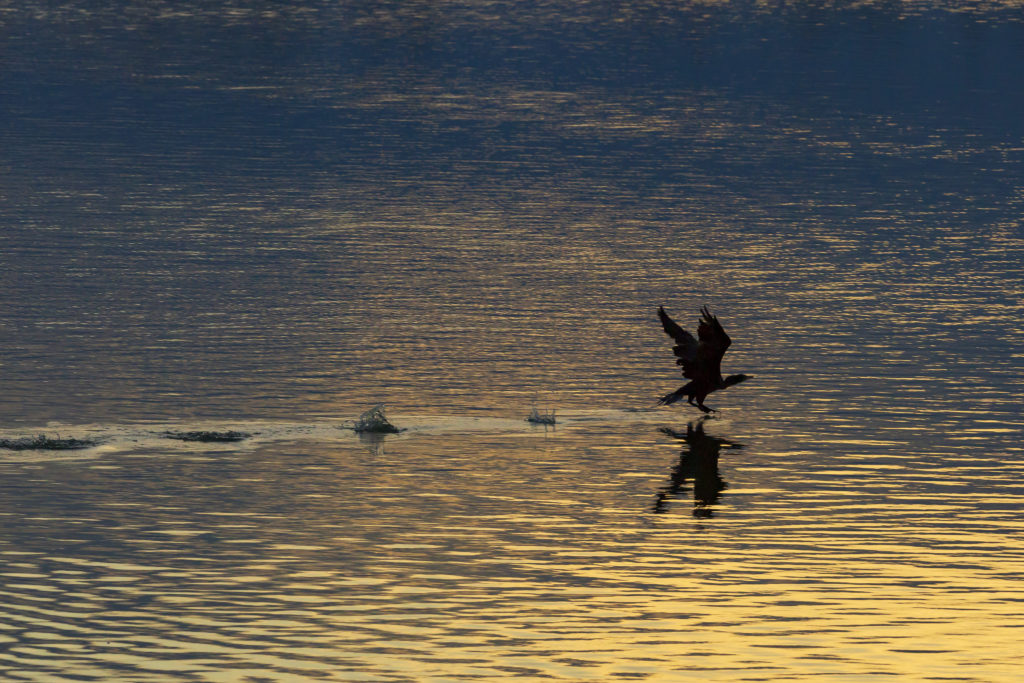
698, 462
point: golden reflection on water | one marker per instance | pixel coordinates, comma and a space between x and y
461, 552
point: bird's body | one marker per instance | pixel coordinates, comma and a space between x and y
701, 358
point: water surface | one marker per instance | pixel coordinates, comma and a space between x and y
270, 217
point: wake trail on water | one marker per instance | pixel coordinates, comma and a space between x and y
64, 441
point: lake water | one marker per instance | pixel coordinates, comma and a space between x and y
269, 217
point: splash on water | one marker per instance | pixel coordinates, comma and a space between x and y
541, 418
374, 421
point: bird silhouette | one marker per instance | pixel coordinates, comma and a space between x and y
701, 359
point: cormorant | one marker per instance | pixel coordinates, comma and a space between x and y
701, 360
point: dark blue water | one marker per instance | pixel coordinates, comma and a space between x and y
272, 216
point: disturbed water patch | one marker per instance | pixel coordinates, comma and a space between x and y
229, 436
45, 443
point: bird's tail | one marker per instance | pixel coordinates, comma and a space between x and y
680, 393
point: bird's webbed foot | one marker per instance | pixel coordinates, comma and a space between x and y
706, 409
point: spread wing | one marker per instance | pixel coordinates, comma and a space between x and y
701, 358
686, 346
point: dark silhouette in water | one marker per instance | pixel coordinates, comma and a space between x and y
699, 462
701, 360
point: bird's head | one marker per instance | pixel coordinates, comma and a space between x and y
735, 379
